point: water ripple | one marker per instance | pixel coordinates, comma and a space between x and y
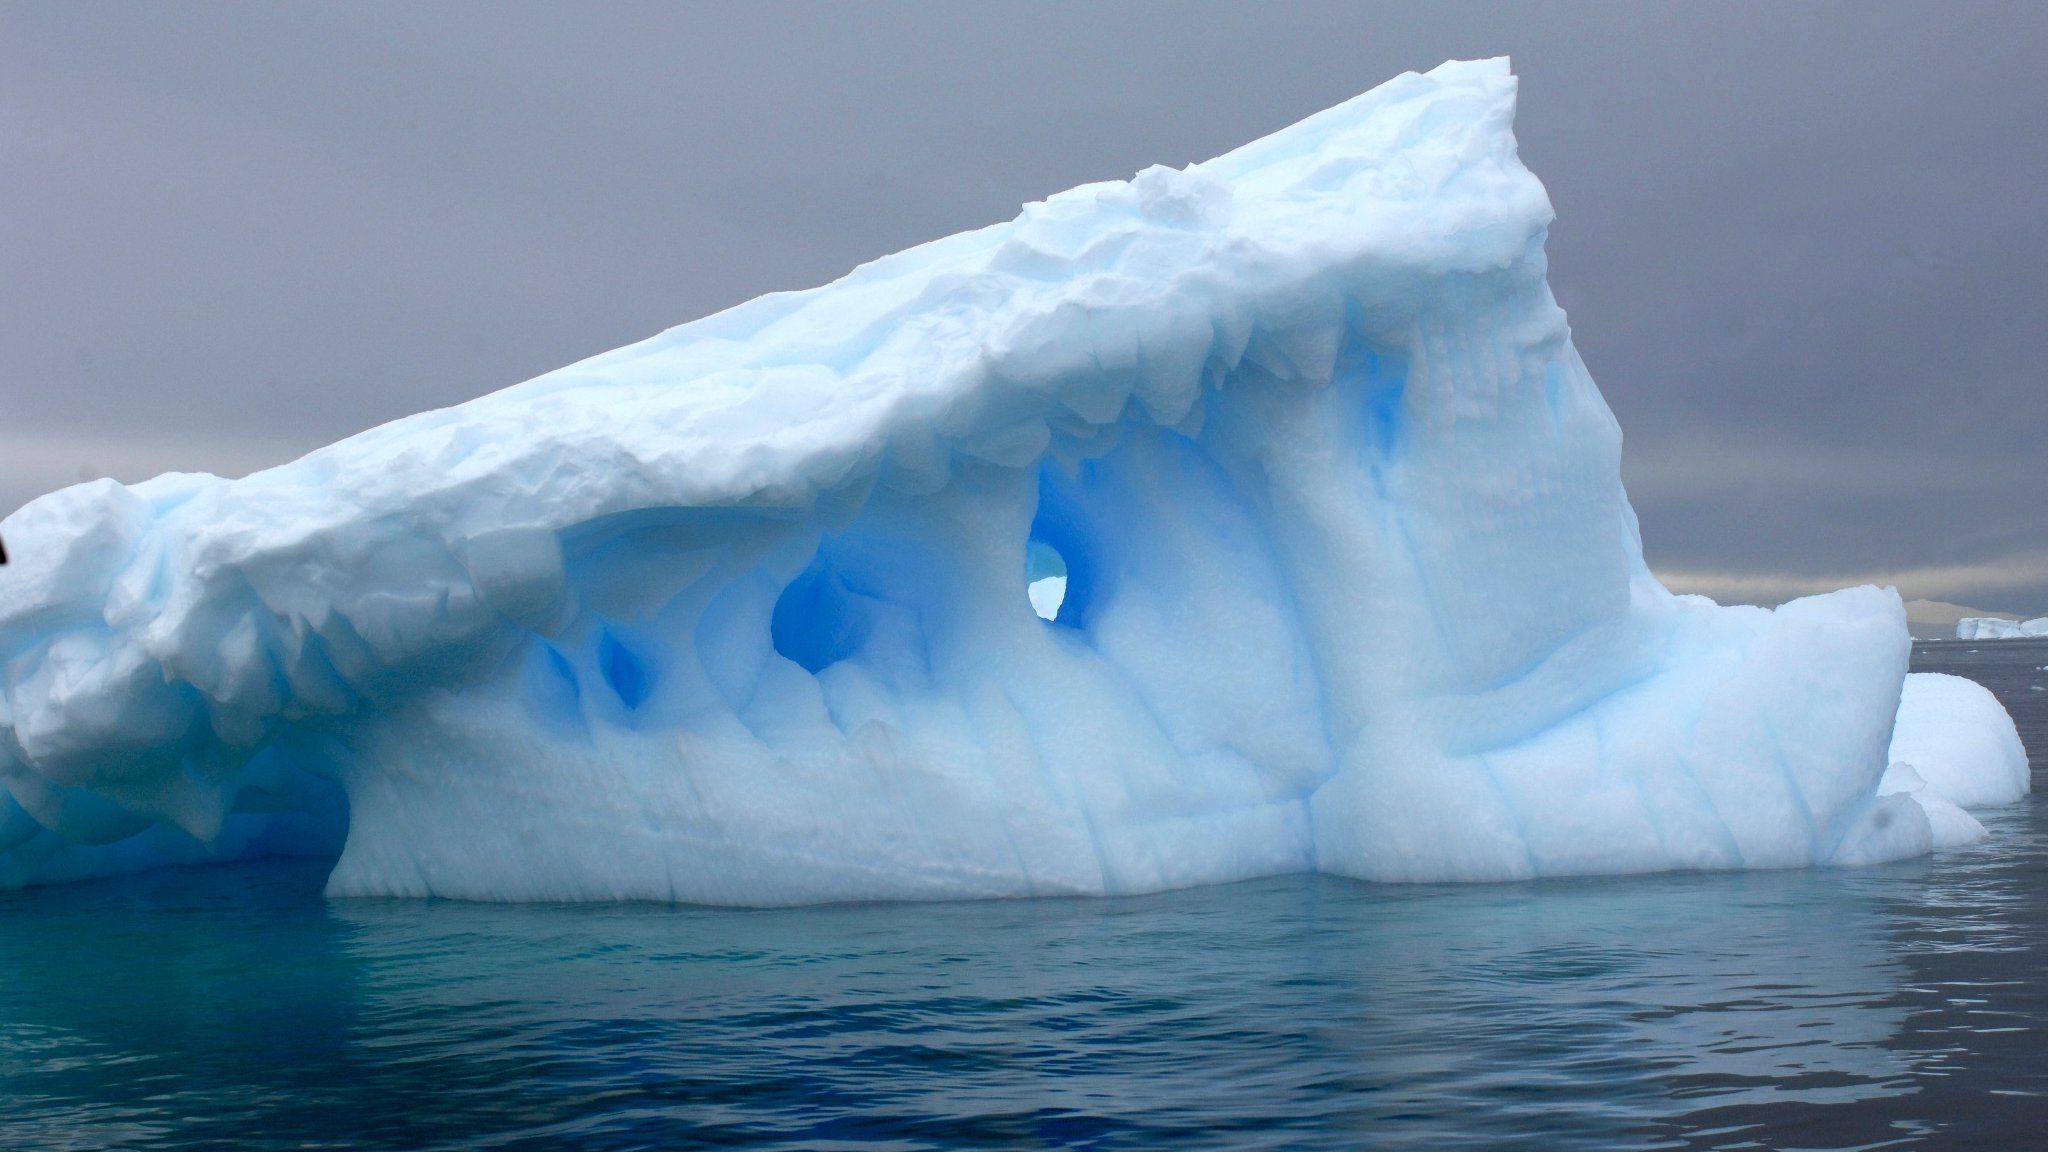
1896, 1007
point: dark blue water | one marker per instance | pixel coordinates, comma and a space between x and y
1897, 1007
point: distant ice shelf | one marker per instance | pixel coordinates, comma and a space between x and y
1249, 518
1998, 628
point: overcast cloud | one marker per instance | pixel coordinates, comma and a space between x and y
1804, 247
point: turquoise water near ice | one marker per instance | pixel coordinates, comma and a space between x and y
1901, 1006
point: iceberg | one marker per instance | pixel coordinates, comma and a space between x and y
762, 610
1999, 628
1954, 748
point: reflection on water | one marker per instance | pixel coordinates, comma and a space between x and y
1894, 1006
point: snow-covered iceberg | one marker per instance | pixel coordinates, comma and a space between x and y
1999, 628
739, 614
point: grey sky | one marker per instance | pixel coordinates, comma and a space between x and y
1804, 246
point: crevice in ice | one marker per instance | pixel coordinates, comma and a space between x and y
629, 676
1796, 789
554, 695
1379, 377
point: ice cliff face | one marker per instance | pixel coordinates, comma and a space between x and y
1997, 628
738, 614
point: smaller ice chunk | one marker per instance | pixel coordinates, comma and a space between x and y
1998, 628
1953, 736
1947, 825
1893, 827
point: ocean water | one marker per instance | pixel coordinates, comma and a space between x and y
1894, 1007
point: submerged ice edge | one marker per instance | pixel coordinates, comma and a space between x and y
740, 615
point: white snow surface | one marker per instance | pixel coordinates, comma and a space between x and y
739, 615
1999, 628
1959, 742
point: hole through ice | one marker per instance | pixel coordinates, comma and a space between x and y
1062, 572
1045, 579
